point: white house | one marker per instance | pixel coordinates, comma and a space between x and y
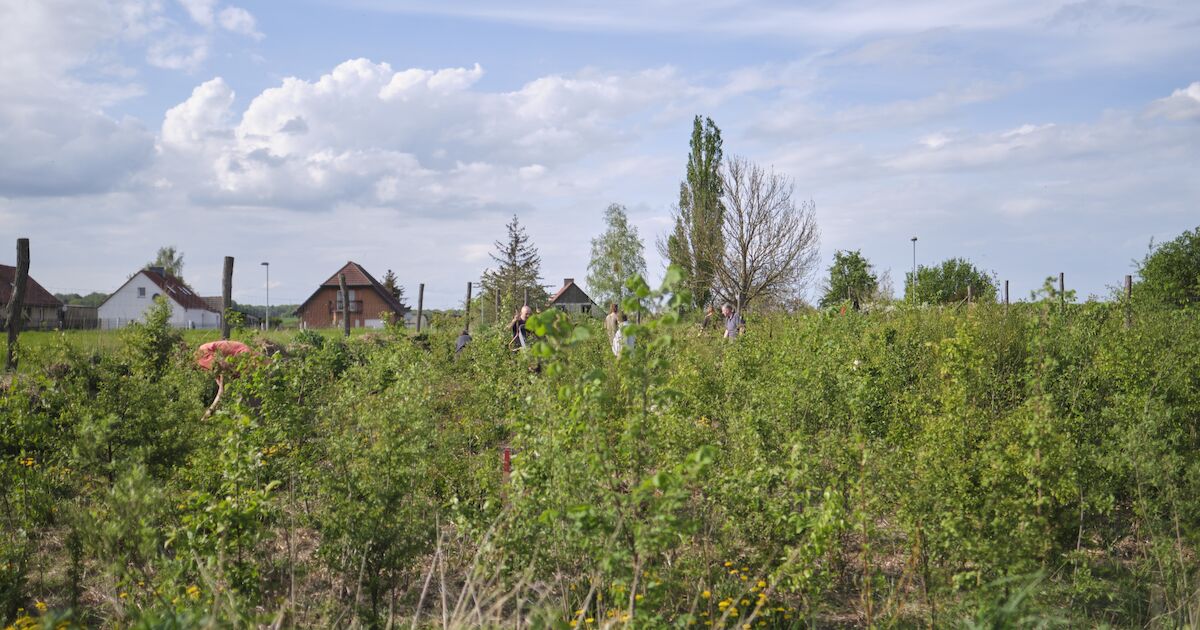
130, 302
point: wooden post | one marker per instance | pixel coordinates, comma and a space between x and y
1128, 301
16, 306
970, 294
497, 294
1062, 291
345, 305
467, 326
526, 302
1006, 296
226, 296
420, 304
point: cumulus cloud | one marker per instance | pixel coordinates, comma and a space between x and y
1182, 104
365, 133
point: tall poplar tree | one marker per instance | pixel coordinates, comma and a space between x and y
518, 269
696, 243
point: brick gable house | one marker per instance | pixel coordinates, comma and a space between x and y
370, 302
42, 309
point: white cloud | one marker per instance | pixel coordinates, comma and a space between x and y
240, 21
367, 134
1182, 104
201, 11
177, 52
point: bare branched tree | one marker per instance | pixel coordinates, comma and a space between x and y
771, 243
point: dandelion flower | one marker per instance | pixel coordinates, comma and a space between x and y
706, 594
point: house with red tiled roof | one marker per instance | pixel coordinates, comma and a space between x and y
42, 309
370, 303
572, 299
130, 302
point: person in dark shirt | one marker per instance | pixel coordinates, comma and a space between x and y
461, 342
521, 337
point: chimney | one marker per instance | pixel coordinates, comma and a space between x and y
567, 281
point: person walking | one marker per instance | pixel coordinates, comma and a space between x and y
710, 319
734, 325
612, 322
620, 339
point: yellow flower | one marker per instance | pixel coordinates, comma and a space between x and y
728, 563
788, 616
745, 626
723, 604
124, 595
589, 620
624, 617
40, 605
733, 611
745, 602
745, 569
573, 623
639, 597
193, 591
579, 612
733, 572
762, 584
743, 578
706, 594
612, 613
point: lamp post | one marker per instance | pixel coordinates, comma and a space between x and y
267, 321
914, 271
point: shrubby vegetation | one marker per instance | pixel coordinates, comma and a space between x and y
960, 466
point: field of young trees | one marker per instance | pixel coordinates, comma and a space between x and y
968, 466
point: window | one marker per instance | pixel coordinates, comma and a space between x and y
586, 309
141, 292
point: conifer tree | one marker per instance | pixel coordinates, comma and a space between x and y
518, 269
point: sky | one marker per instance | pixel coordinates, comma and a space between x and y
1028, 136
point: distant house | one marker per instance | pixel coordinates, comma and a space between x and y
370, 303
42, 309
410, 320
572, 299
129, 303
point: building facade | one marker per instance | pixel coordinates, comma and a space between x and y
130, 302
571, 299
41, 309
370, 304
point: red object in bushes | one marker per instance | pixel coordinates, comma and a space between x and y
208, 354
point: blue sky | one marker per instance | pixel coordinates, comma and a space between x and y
1031, 137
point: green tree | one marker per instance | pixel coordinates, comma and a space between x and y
948, 282
851, 277
616, 255
519, 269
393, 287
1170, 273
696, 244
170, 259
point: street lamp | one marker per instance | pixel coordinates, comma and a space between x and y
914, 271
267, 322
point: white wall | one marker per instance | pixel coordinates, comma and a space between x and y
129, 304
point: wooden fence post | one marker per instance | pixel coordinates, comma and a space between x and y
1128, 301
1062, 291
226, 296
345, 305
420, 304
1006, 296
16, 306
970, 294
467, 327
